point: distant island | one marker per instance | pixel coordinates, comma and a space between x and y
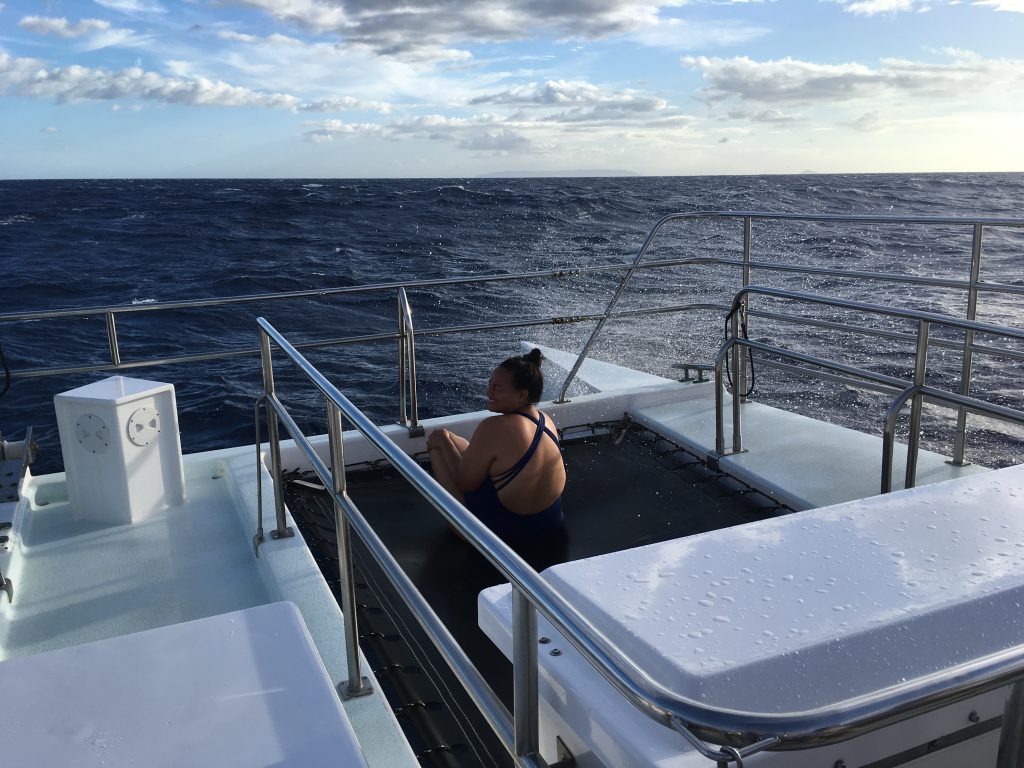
578, 172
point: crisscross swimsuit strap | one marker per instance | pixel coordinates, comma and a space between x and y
506, 477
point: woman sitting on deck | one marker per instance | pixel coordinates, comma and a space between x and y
510, 475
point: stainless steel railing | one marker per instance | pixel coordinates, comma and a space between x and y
930, 395
725, 736
972, 285
915, 391
407, 367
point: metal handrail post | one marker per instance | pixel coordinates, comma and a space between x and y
1011, 737
889, 435
525, 699
741, 376
282, 531
258, 537
356, 685
920, 368
960, 441
611, 304
115, 352
6, 585
737, 437
403, 408
720, 403
409, 332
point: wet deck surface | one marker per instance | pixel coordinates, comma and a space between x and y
627, 487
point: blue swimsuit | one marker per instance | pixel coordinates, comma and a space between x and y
485, 504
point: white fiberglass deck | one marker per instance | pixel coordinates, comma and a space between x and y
802, 462
242, 689
77, 583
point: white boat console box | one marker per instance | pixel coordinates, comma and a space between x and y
122, 451
809, 611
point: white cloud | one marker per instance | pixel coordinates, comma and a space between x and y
97, 32
311, 14
132, 6
795, 82
115, 38
503, 133
30, 78
872, 7
345, 104
49, 129
875, 7
868, 122
61, 27
770, 116
240, 37
1015, 6
480, 133
323, 131
564, 93
579, 102
683, 34
498, 142
422, 29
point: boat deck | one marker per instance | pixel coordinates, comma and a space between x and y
79, 584
78, 581
628, 488
802, 462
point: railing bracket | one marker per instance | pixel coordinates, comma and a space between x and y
699, 368
346, 692
287, 533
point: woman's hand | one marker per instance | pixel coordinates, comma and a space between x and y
437, 438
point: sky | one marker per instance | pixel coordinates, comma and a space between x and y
463, 88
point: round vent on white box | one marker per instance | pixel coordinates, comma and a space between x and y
144, 426
92, 433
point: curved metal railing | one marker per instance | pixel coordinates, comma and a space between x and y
916, 391
973, 285
726, 736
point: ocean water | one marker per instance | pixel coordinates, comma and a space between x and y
66, 244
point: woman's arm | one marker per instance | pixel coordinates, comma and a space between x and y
445, 457
461, 465
480, 453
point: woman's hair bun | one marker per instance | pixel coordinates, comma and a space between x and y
534, 356
526, 373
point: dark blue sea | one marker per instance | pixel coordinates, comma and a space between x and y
68, 244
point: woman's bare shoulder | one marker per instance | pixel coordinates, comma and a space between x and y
492, 425
549, 419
